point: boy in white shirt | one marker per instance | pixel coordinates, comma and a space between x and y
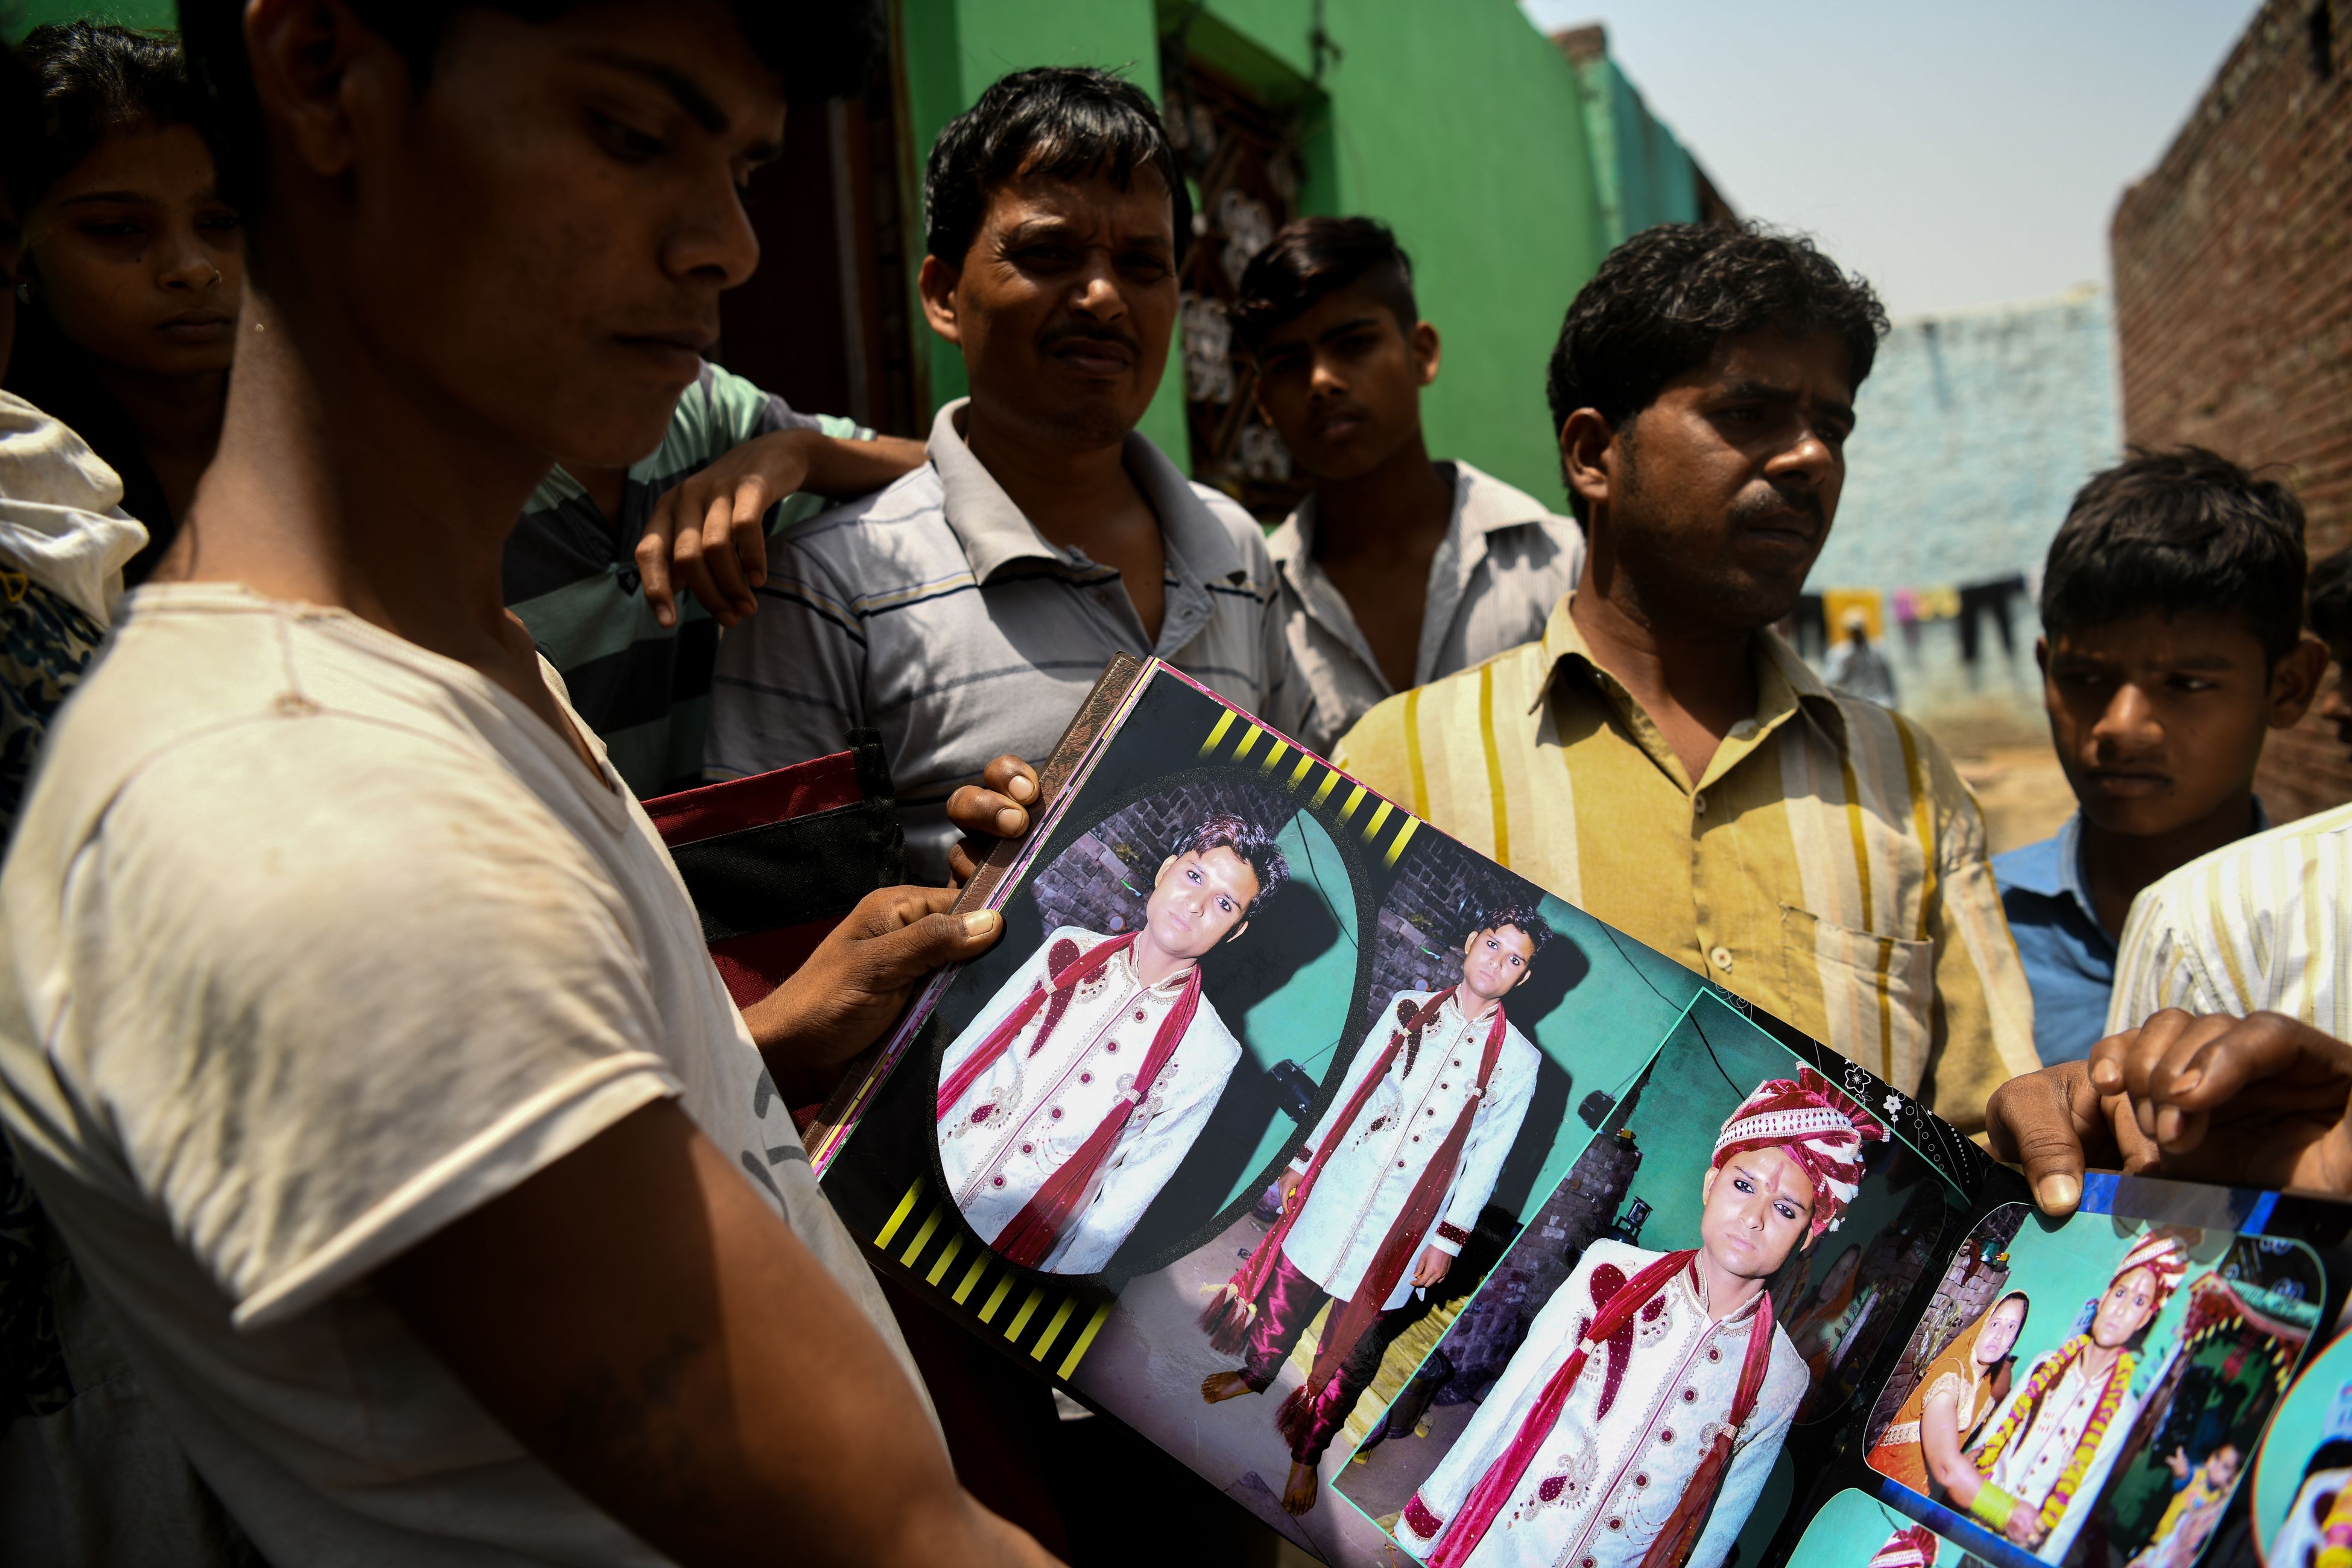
355, 1027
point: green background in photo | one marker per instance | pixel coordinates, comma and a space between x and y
1276, 1027
1621, 1001
1851, 1528
2063, 1265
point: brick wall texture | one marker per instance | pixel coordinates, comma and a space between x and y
1102, 881
2233, 299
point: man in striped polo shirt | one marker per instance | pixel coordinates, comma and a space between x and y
589, 567
1659, 757
965, 610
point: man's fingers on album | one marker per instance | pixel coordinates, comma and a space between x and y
2033, 1120
987, 813
961, 865
2179, 1132
1009, 775
2135, 1148
888, 910
2145, 1051
935, 940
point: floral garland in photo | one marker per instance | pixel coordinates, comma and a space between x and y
1994, 1505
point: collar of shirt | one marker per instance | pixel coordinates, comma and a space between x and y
1483, 507
2052, 868
1785, 688
996, 534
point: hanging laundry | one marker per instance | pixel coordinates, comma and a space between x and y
1940, 604
1837, 602
1991, 600
1812, 632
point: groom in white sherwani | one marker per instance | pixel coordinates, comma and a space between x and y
1387, 1189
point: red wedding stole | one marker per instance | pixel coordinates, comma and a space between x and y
1229, 1314
1033, 1231
1673, 1547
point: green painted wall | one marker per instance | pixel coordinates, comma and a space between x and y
1460, 126
18, 17
1644, 175
1458, 123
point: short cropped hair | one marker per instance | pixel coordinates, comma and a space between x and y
1522, 917
1664, 300
2330, 598
1253, 843
1065, 123
2175, 531
1313, 258
88, 81
818, 49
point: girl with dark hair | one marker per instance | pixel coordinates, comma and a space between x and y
132, 264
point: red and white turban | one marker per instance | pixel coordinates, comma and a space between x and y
1815, 1123
1912, 1548
2165, 1255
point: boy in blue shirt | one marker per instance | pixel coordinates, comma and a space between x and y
2173, 643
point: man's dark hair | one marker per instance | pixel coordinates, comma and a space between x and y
1665, 297
86, 81
817, 49
1314, 258
1224, 830
1522, 917
2176, 531
2330, 598
1064, 123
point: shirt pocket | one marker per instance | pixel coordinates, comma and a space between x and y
1877, 992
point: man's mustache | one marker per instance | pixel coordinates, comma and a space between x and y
1055, 337
1755, 507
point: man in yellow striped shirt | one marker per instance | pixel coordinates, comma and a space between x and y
1660, 758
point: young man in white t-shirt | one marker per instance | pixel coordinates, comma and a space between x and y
354, 1026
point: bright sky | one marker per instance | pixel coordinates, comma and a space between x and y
1955, 155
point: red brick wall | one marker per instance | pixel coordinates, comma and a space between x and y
2233, 300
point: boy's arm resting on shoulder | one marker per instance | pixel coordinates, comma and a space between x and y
645, 1324
708, 533
790, 685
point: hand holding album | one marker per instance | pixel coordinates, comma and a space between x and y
1422, 1214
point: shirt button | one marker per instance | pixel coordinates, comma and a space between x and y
1112, 1045
1057, 1113
1721, 958
1138, 1015
1399, 1165
1028, 1147
1086, 1078
999, 1181
1698, 804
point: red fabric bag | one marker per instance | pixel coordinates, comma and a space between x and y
773, 861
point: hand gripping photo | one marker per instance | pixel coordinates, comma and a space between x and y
1385, 1192
1065, 1106
1659, 1456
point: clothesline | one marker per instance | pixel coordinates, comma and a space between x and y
1818, 621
